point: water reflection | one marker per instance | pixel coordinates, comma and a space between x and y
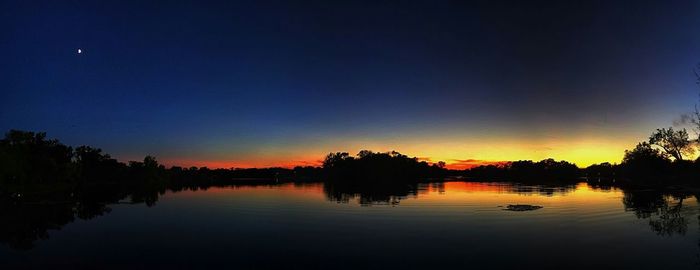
367, 194
665, 211
25, 222
26, 218
370, 194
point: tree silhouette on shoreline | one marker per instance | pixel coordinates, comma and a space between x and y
674, 143
379, 167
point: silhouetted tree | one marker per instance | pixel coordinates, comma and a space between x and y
337, 159
645, 162
674, 143
528, 171
364, 153
371, 166
94, 166
604, 169
29, 158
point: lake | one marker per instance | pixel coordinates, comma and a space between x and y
316, 225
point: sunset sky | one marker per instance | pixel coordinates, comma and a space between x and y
268, 83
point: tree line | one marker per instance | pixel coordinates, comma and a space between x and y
32, 165
665, 158
379, 166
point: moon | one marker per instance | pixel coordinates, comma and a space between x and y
80, 51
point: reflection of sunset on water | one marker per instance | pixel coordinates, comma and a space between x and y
498, 194
491, 194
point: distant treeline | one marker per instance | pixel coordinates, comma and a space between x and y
30, 163
378, 167
663, 159
526, 170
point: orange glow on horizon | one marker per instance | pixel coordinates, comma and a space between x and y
455, 165
222, 164
458, 153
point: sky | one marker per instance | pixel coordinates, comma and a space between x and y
282, 83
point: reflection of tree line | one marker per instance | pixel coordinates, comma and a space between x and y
378, 193
370, 194
665, 209
23, 222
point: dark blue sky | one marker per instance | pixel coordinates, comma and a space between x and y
262, 83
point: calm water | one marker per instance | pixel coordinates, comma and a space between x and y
413, 226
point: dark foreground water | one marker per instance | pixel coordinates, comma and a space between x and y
439, 225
